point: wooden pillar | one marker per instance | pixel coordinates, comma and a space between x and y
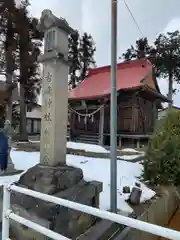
120, 142
101, 127
69, 125
138, 143
32, 126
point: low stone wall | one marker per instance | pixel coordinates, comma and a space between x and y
35, 147
160, 212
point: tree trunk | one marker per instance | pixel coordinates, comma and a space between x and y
24, 55
9, 65
9, 80
170, 91
23, 129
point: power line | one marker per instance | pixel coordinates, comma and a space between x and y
136, 23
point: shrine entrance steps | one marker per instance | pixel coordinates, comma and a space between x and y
88, 138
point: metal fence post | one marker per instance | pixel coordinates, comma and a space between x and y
6, 207
113, 118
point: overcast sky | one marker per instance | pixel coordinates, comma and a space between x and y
93, 16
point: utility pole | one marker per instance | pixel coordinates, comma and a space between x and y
113, 130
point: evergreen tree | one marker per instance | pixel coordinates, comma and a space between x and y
166, 58
81, 57
164, 55
8, 47
73, 58
87, 50
29, 43
162, 159
20, 47
142, 49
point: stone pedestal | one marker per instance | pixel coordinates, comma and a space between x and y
61, 181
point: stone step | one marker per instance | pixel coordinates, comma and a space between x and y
90, 133
102, 230
89, 136
87, 141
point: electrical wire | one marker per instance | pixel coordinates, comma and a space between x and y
134, 19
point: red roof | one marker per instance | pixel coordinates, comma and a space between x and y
129, 75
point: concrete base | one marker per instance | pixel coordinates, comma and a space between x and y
60, 181
160, 212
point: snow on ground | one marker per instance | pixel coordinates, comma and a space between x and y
129, 157
87, 147
9, 179
127, 176
33, 141
99, 149
94, 169
129, 150
24, 160
83, 146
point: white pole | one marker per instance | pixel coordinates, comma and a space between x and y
5, 218
50, 234
127, 221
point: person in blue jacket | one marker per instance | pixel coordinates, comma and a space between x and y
3, 148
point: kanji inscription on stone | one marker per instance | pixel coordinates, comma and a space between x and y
46, 145
45, 159
48, 78
49, 102
47, 117
49, 90
46, 132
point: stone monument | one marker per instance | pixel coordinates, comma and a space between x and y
52, 176
55, 89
